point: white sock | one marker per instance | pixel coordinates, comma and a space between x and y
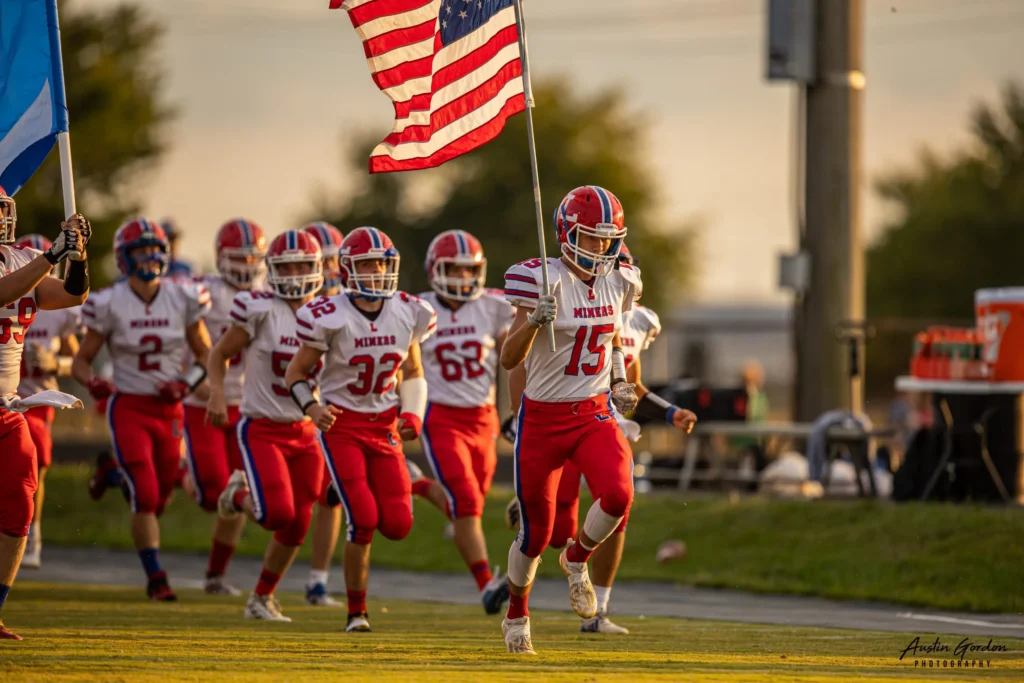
37, 533
603, 593
317, 576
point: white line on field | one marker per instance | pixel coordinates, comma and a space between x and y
957, 620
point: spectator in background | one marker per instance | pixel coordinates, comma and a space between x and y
177, 268
750, 447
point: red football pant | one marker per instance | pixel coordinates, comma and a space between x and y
211, 453
20, 476
461, 446
146, 435
285, 469
365, 459
40, 420
548, 436
567, 507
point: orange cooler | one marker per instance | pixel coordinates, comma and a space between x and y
1001, 323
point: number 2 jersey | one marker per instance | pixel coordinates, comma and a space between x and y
589, 315
363, 355
147, 341
15, 319
459, 361
218, 321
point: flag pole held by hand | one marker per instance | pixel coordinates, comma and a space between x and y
528, 95
67, 179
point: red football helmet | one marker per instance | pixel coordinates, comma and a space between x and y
241, 249
37, 242
8, 218
625, 256
596, 212
454, 249
288, 250
135, 234
330, 239
369, 244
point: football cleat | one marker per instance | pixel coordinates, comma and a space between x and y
7, 634
517, 636
159, 590
216, 585
495, 593
318, 596
226, 503
581, 590
512, 514
358, 623
600, 623
264, 607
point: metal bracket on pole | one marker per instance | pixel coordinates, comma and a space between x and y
854, 333
528, 96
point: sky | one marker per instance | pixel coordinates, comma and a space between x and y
267, 91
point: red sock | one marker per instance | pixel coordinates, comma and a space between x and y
517, 606
220, 555
577, 553
421, 487
356, 602
239, 499
267, 583
482, 573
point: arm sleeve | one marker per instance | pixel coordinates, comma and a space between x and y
95, 312
310, 329
522, 285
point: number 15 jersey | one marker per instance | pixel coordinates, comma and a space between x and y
589, 315
364, 355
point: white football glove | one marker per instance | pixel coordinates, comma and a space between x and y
72, 240
624, 397
547, 309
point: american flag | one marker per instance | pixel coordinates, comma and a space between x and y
452, 69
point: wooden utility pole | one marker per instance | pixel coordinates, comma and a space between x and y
833, 215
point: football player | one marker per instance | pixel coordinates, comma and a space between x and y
175, 266
369, 334
212, 451
50, 345
327, 524
640, 327
26, 288
284, 467
565, 410
149, 324
460, 428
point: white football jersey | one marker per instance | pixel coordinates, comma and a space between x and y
218, 321
47, 330
362, 355
147, 342
459, 362
270, 323
589, 315
15, 319
640, 327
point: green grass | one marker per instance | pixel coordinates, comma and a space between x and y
87, 634
946, 556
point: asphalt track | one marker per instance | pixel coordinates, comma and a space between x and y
118, 568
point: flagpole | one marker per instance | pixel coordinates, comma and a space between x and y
67, 179
528, 95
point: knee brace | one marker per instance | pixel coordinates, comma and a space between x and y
599, 525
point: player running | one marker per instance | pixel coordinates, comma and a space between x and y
49, 346
25, 289
211, 451
368, 334
565, 410
284, 467
460, 428
327, 525
640, 327
149, 324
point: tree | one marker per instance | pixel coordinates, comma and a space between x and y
580, 140
118, 123
958, 227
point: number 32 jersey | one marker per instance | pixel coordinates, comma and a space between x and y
459, 360
15, 319
147, 341
363, 355
589, 315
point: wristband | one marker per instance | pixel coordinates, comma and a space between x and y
194, 376
654, 407
76, 277
413, 393
51, 258
302, 394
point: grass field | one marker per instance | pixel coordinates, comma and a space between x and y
84, 633
946, 556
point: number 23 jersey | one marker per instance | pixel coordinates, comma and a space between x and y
589, 314
362, 355
147, 341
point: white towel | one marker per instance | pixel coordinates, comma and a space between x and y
55, 399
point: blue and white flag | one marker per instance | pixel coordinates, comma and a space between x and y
33, 109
